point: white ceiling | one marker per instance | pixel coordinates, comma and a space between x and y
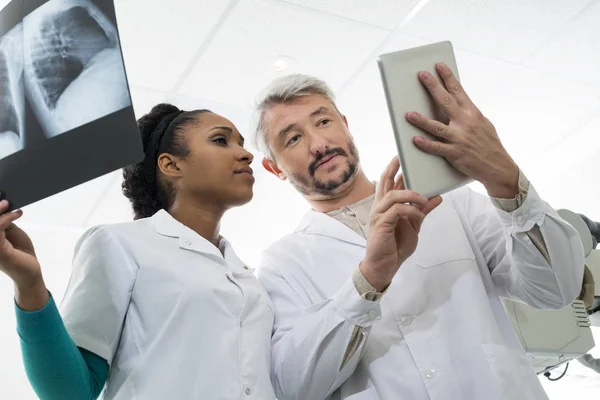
530, 65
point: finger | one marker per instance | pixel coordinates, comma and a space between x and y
400, 197
440, 95
399, 185
432, 204
3, 206
386, 182
397, 211
7, 219
453, 85
436, 128
433, 146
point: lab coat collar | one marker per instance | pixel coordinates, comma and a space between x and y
317, 223
166, 225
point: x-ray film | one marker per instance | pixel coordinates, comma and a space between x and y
65, 108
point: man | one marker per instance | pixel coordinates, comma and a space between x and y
383, 294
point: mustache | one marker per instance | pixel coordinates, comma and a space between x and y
338, 151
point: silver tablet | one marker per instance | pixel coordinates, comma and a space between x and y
427, 174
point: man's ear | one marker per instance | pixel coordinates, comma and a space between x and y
270, 166
347, 127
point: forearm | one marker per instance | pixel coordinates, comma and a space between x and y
55, 366
321, 350
545, 250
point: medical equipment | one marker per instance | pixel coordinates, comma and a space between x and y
554, 337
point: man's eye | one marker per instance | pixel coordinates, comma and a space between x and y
293, 140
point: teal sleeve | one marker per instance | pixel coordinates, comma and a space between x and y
55, 366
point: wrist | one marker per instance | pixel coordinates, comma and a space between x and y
31, 295
379, 281
505, 187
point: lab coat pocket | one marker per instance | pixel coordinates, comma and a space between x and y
510, 371
440, 247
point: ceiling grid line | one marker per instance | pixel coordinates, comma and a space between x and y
560, 30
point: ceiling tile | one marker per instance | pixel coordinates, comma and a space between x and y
570, 153
482, 76
363, 103
383, 13
505, 29
238, 63
54, 245
144, 99
533, 111
575, 52
159, 38
238, 115
574, 186
113, 208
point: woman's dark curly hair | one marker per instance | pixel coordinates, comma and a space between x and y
162, 131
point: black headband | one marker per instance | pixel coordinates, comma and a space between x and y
155, 140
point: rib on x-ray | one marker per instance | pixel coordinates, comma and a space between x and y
11, 93
73, 65
65, 46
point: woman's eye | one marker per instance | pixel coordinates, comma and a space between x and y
220, 140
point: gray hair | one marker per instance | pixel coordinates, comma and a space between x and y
283, 90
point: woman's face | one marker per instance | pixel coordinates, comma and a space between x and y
217, 167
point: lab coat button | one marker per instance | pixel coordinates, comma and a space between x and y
406, 321
248, 391
372, 314
188, 242
520, 220
430, 374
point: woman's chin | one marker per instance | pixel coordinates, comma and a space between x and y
241, 198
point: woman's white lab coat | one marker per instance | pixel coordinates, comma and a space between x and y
174, 316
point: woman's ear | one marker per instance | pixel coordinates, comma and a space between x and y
169, 165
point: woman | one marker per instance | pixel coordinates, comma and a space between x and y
161, 307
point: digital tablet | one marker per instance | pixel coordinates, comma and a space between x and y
430, 175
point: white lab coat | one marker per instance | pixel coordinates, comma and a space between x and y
173, 316
440, 331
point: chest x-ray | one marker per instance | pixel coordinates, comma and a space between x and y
64, 59
61, 72
72, 56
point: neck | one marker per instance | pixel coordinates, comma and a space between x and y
204, 219
358, 189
